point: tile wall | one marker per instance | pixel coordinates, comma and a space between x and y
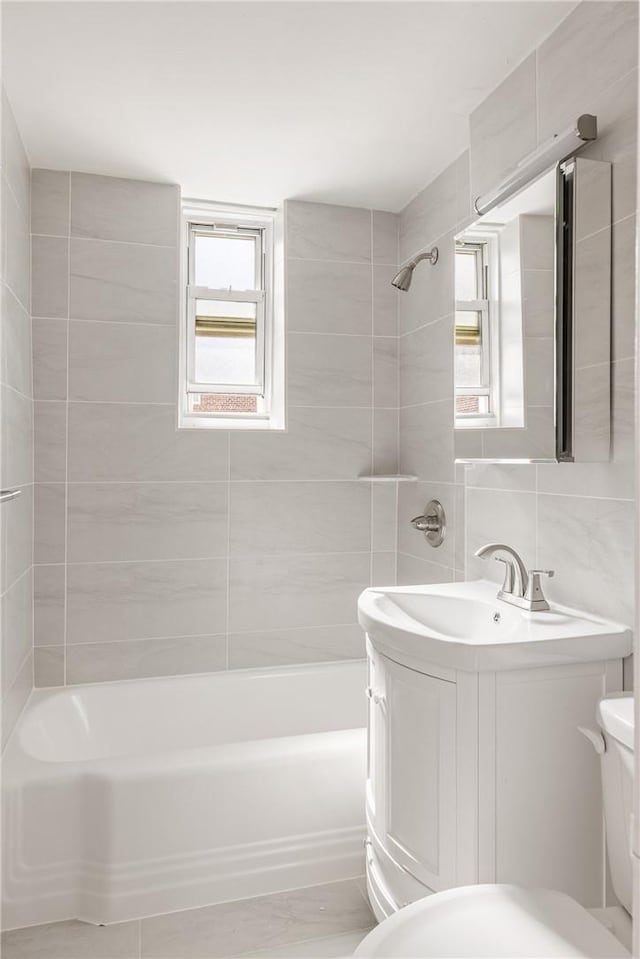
160, 551
576, 518
16, 424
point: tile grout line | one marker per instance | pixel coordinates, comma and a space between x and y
66, 450
228, 583
372, 491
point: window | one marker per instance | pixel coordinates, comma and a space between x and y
231, 356
473, 360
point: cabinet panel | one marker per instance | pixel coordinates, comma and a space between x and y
420, 764
376, 774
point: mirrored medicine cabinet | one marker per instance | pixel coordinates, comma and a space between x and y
532, 322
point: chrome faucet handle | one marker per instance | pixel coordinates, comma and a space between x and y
432, 523
533, 594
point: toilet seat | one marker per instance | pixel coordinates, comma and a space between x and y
492, 922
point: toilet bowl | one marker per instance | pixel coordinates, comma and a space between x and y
511, 921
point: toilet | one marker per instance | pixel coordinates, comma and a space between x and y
511, 921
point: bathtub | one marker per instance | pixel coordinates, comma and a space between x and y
135, 798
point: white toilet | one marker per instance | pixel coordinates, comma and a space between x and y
510, 921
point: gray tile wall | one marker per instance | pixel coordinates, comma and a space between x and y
577, 518
16, 425
160, 551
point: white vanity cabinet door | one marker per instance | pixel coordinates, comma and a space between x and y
420, 774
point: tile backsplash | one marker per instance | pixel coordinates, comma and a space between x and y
164, 551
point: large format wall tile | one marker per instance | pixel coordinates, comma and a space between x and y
314, 517
426, 441
17, 624
385, 301
319, 231
502, 130
137, 659
426, 363
320, 444
297, 590
16, 347
17, 453
16, 425
280, 647
50, 202
144, 521
122, 282
16, 246
429, 215
49, 359
595, 46
120, 442
591, 559
118, 601
15, 162
50, 270
329, 370
325, 297
385, 235
17, 538
48, 666
135, 211
48, 605
49, 523
106, 362
499, 516
50, 442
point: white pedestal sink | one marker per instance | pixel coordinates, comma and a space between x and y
477, 769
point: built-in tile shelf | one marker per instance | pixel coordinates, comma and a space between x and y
388, 478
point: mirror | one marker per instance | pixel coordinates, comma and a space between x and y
532, 288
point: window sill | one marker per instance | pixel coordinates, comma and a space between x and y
191, 421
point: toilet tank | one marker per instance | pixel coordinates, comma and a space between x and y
615, 717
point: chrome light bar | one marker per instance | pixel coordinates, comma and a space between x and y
559, 147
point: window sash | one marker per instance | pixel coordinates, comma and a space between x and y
481, 307
257, 296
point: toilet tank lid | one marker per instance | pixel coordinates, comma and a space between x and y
616, 718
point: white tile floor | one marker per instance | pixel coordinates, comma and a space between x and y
318, 921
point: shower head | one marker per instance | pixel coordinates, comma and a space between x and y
402, 279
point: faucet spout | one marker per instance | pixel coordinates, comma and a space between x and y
516, 578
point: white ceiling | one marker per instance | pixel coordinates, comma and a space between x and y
360, 103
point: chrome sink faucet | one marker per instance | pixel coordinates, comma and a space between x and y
520, 588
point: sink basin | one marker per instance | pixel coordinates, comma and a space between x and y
464, 626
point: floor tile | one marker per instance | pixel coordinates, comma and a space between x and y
332, 947
73, 940
266, 922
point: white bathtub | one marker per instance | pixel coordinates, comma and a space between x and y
134, 798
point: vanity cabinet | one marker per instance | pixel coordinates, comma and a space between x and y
483, 777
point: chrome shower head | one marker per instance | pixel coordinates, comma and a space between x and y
402, 279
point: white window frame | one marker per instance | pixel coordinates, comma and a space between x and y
488, 308
201, 217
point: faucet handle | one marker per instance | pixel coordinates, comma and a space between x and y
533, 593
